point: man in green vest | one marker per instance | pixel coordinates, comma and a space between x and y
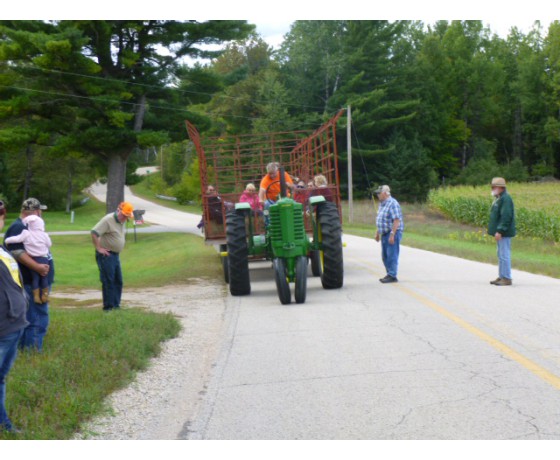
502, 227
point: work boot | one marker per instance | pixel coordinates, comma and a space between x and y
37, 296
45, 295
495, 281
503, 282
389, 279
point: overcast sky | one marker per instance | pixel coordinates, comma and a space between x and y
273, 18
273, 32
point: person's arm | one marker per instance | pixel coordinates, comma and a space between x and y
262, 195
25, 259
97, 244
506, 218
17, 238
396, 225
289, 182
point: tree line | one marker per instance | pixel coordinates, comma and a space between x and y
449, 102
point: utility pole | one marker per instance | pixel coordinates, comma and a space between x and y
350, 185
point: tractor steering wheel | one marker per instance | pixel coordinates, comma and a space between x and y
266, 191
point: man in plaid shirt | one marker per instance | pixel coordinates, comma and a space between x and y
389, 230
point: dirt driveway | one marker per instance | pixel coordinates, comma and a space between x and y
162, 400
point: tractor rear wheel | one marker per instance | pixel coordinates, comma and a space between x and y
330, 236
238, 254
301, 279
282, 285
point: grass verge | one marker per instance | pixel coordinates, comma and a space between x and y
89, 354
85, 217
155, 259
428, 230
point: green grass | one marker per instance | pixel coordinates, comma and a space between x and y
155, 259
429, 230
537, 207
85, 217
89, 354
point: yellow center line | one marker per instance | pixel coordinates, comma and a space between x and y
533, 367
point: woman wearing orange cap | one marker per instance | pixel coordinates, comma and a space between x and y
108, 237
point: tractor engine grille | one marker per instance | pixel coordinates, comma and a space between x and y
286, 224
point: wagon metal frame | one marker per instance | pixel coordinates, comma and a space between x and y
231, 162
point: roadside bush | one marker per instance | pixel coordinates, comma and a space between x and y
188, 189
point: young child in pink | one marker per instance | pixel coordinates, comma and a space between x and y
37, 244
250, 196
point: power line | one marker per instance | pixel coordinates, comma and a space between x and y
114, 101
145, 85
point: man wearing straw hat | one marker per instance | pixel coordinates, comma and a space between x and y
502, 227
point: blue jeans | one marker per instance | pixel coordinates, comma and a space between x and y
267, 205
390, 253
110, 275
504, 257
8, 352
38, 281
38, 317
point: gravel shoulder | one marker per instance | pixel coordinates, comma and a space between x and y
162, 400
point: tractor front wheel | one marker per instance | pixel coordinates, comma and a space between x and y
282, 285
301, 279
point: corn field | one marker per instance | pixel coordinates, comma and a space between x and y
537, 207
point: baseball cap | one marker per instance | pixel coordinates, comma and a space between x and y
382, 188
32, 204
126, 208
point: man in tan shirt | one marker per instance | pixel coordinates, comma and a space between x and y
108, 237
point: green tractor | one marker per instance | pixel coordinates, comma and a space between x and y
300, 229
286, 243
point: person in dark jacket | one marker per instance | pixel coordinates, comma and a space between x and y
13, 308
37, 314
502, 227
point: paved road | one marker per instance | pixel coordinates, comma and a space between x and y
162, 218
440, 355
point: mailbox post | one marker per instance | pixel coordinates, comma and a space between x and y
138, 219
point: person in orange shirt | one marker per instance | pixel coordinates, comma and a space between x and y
272, 182
270, 187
